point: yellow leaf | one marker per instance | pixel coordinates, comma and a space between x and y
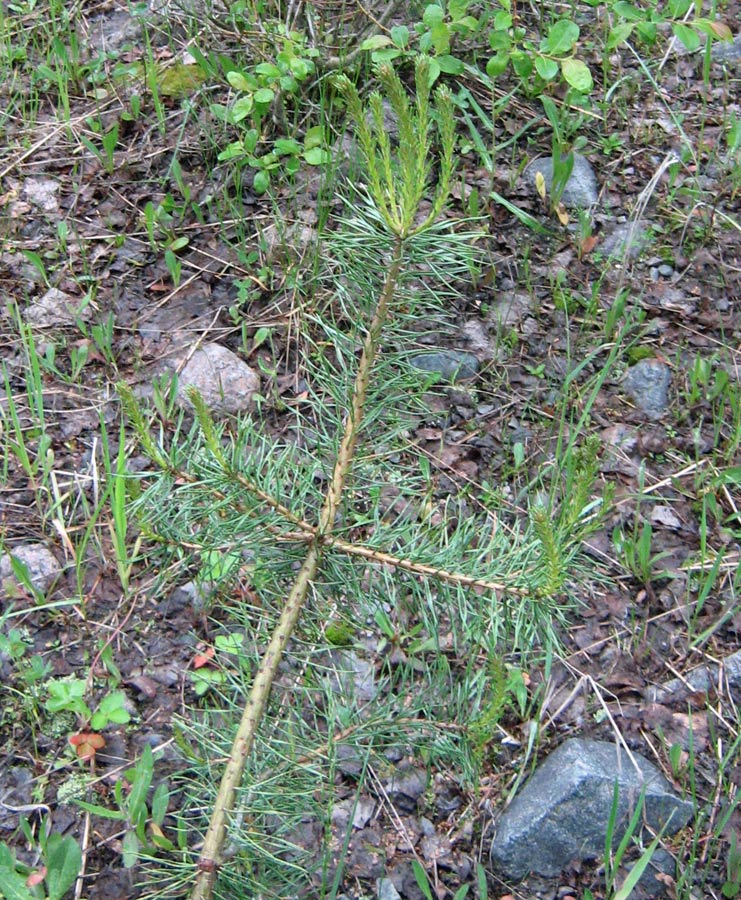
563, 216
540, 185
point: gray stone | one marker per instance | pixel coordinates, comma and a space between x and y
452, 365
651, 882
42, 566
385, 890
351, 675
562, 812
626, 241
56, 308
226, 384
581, 190
727, 51
701, 680
509, 310
17, 791
405, 787
648, 384
43, 193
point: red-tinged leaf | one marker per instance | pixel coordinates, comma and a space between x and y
86, 744
203, 659
35, 878
588, 244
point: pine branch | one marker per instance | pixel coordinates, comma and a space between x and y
210, 857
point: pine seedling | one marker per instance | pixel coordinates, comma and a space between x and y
398, 186
398, 182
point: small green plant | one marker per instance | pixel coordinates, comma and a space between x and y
143, 817
505, 688
614, 855
68, 695
60, 862
732, 885
258, 90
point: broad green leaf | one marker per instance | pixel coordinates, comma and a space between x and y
497, 64
522, 63
317, 156
561, 37
688, 36
618, 35
678, 8
433, 15
264, 95
400, 35
577, 74
12, 883
451, 65
238, 81
628, 11
63, 860
546, 68
499, 40
314, 137
268, 70
242, 107
376, 41
440, 34
713, 29
261, 182
284, 146
502, 21
385, 55
465, 25
648, 31
457, 9
301, 68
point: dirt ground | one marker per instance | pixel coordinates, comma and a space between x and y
68, 222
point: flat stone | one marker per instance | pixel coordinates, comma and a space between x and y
385, 890
648, 384
727, 51
451, 365
626, 241
509, 310
56, 308
701, 680
562, 813
405, 787
43, 193
581, 190
226, 384
43, 570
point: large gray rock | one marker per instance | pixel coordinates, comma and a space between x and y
562, 812
648, 383
581, 190
56, 308
226, 384
40, 563
450, 365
